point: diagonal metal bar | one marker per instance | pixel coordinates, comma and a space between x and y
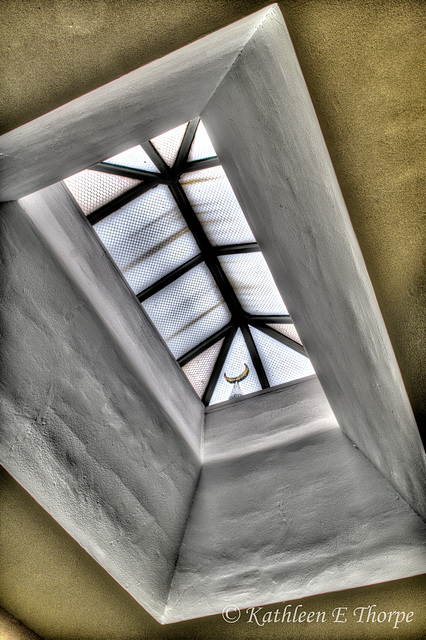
205, 344
251, 318
191, 219
152, 152
128, 172
207, 396
197, 165
186, 145
261, 374
208, 251
169, 278
245, 247
280, 337
117, 203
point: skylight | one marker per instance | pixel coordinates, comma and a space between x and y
170, 220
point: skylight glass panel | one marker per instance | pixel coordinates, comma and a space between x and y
134, 158
238, 356
188, 310
281, 363
147, 238
288, 330
201, 146
199, 370
93, 189
213, 200
168, 144
253, 283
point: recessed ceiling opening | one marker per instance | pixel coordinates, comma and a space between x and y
169, 218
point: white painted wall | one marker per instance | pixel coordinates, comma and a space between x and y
246, 83
288, 507
291, 507
263, 126
98, 422
145, 102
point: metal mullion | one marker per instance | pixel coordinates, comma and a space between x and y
198, 165
186, 145
276, 335
245, 247
191, 219
261, 374
117, 203
205, 344
224, 287
169, 278
128, 172
251, 318
207, 250
152, 152
207, 395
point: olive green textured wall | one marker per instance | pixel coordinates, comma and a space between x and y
362, 60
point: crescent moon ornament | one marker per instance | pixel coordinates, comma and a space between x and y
242, 376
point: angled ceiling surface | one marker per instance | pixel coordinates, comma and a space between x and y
300, 222
311, 207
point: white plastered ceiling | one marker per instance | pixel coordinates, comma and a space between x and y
101, 426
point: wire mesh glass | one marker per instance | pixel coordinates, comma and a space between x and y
201, 146
238, 356
134, 158
199, 369
281, 363
189, 310
93, 189
213, 200
288, 330
253, 283
147, 238
168, 144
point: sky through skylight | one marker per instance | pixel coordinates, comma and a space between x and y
167, 214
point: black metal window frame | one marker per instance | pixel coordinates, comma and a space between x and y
208, 254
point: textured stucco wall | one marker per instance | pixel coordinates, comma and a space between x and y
90, 432
263, 127
53, 586
299, 510
362, 61
363, 64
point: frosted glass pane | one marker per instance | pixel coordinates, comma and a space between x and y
288, 330
201, 145
147, 238
281, 363
235, 362
199, 370
168, 144
93, 189
213, 200
188, 310
253, 283
135, 158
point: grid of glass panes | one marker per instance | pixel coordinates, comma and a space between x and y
199, 369
151, 239
188, 310
147, 238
